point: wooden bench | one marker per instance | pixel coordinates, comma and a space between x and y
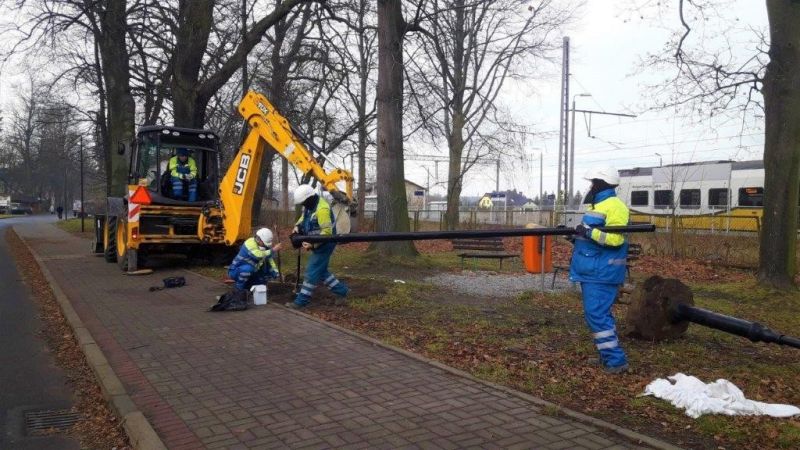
491, 248
634, 252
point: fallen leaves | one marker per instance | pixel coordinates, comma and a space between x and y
98, 428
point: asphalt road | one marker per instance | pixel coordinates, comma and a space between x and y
29, 378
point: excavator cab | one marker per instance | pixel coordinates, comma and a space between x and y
156, 145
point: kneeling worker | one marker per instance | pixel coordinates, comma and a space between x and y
598, 263
254, 264
317, 219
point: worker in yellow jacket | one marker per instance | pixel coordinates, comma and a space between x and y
182, 168
599, 264
317, 219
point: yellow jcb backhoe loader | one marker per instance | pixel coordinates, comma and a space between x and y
153, 219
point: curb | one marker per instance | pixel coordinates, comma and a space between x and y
139, 430
631, 435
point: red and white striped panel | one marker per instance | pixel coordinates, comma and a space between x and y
133, 209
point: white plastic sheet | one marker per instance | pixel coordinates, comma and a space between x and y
720, 397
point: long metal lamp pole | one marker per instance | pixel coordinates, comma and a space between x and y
430, 235
82, 211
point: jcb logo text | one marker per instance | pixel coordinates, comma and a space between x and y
241, 175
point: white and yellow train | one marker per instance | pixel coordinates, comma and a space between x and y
714, 195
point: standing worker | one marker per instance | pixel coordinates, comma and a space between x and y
182, 167
599, 264
254, 263
316, 219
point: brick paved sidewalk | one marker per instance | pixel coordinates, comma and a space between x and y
267, 378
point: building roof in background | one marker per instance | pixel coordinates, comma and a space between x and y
513, 197
370, 186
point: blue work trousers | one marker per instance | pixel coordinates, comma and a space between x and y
246, 276
597, 301
316, 272
177, 188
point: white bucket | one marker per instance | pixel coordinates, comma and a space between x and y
259, 294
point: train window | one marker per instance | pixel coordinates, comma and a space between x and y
718, 197
640, 198
663, 199
751, 196
690, 198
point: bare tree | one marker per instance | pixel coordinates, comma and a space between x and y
472, 48
392, 214
355, 46
719, 82
105, 21
190, 92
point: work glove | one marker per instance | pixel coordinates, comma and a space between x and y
583, 230
295, 244
308, 246
190, 177
296, 229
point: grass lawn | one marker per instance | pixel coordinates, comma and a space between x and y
5, 216
74, 225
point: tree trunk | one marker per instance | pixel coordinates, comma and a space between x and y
362, 111
280, 76
195, 19
454, 173
777, 252
455, 107
392, 202
121, 106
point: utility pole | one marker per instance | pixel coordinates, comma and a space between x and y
572, 151
64, 204
497, 181
541, 176
82, 210
589, 131
563, 124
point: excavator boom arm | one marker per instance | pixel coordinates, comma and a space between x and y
268, 127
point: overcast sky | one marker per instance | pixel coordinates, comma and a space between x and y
606, 46
605, 50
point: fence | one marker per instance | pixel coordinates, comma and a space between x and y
475, 219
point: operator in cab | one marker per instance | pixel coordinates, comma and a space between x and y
255, 262
183, 169
317, 219
599, 264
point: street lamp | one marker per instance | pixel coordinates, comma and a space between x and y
660, 162
572, 150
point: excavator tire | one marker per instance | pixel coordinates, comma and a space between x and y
126, 257
110, 239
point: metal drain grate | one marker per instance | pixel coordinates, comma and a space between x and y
48, 421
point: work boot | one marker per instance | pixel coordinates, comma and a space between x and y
616, 370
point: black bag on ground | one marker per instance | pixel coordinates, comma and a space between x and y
233, 300
171, 282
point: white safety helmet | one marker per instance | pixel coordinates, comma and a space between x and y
302, 192
608, 174
265, 236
